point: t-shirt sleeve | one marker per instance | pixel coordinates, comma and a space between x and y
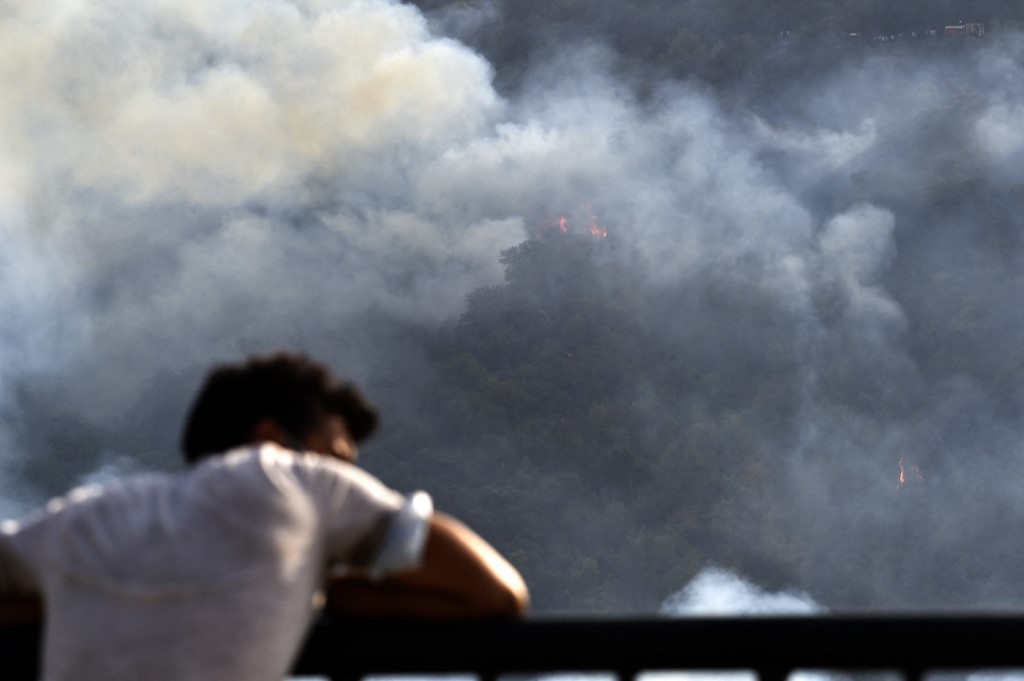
402, 544
367, 524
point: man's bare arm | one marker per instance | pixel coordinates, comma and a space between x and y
461, 576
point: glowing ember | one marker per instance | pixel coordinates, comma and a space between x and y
596, 230
903, 474
563, 225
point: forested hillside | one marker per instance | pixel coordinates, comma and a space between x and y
616, 435
565, 424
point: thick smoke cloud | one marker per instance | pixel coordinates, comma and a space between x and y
199, 180
192, 181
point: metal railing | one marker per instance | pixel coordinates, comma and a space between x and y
772, 647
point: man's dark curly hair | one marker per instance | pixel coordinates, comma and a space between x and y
290, 388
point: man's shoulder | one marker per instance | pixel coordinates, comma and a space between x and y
78, 499
270, 462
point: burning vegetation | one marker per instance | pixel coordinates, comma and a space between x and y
562, 226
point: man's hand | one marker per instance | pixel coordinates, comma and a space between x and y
462, 576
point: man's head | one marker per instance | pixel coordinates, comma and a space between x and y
285, 397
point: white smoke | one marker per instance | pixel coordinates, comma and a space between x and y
188, 181
719, 592
224, 102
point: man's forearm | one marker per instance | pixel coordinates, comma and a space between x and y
359, 597
461, 576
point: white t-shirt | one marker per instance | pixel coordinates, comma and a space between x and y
210, 575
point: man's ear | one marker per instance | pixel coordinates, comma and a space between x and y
268, 430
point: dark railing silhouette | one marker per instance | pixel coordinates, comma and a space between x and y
772, 647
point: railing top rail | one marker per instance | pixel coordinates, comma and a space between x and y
908, 643
771, 646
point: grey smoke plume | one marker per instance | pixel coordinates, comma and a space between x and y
188, 182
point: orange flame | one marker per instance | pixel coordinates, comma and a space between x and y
903, 477
596, 230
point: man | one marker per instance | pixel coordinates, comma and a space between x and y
213, 573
